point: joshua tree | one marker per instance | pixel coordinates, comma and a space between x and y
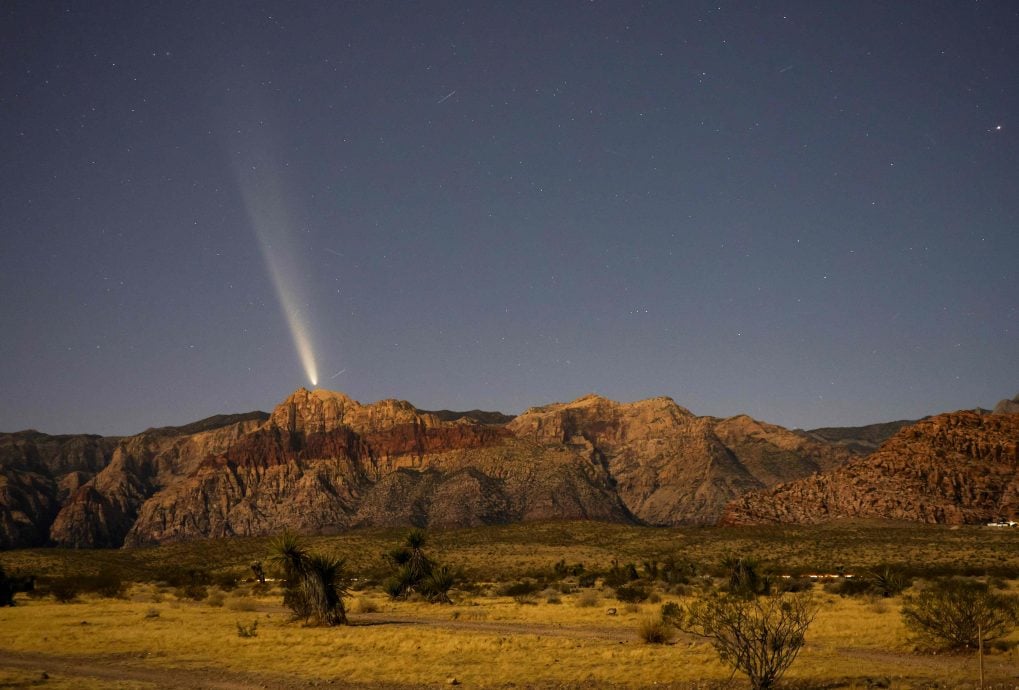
413, 567
314, 582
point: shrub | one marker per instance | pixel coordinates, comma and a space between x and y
63, 589
106, 583
226, 581
655, 630
621, 574
956, 613
516, 589
744, 577
849, 587
588, 599
632, 593
888, 581
436, 585
758, 636
587, 580
215, 599
10, 585
247, 630
177, 576
315, 586
193, 591
152, 613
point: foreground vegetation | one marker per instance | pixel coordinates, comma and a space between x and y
573, 604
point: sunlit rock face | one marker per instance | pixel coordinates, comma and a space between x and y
322, 462
671, 467
957, 468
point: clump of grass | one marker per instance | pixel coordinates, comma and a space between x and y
655, 630
242, 604
366, 605
152, 613
588, 599
247, 630
215, 599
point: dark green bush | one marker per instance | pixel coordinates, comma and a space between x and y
632, 594
63, 589
517, 589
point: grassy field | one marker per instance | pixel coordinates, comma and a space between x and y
514, 551
154, 636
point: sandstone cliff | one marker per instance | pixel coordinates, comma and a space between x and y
324, 462
954, 468
670, 466
37, 475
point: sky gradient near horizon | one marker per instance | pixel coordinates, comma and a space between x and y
803, 211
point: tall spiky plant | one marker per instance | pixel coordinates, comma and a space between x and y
314, 582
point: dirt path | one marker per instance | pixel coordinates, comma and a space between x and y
132, 669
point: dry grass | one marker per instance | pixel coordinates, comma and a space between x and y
488, 641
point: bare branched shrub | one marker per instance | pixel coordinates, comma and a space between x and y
955, 613
758, 636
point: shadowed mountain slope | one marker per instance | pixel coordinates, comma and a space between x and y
956, 468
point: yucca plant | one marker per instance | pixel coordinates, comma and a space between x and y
314, 582
436, 586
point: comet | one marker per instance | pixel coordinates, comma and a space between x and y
269, 215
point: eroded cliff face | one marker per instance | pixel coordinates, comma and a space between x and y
955, 468
322, 462
101, 511
670, 466
37, 475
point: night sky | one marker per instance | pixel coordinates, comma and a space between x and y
807, 212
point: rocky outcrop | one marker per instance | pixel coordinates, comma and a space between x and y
1007, 406
37, 475
322, 462
957, 468
670, 466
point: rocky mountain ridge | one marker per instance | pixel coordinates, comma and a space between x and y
321, 461
955, 468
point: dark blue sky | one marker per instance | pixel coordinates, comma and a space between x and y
804, 211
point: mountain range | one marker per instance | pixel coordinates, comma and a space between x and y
322, 462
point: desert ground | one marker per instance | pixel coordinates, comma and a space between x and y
523, 613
